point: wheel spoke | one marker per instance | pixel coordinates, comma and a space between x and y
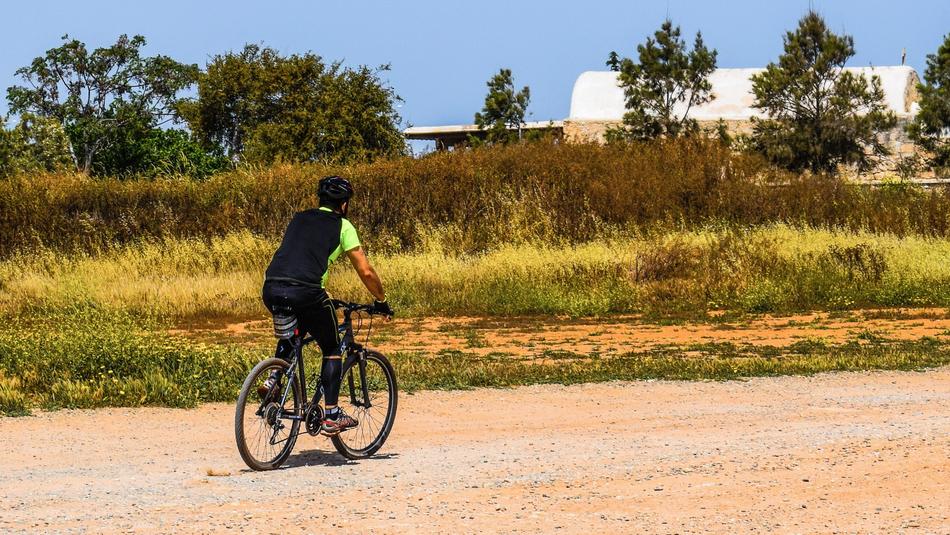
375, 419
267, 437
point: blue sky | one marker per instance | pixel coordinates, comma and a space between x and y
442, 52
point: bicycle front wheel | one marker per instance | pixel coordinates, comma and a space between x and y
368, 392
264, 433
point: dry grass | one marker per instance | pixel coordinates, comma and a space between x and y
534, 192
766, 269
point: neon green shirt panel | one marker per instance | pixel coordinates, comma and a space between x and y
349, 240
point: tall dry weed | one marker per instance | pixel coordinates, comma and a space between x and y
533, 192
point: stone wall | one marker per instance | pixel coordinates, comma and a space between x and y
895, 139
595, 131
586, 131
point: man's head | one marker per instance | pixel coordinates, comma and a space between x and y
334, 192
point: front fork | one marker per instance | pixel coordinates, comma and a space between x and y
360, 357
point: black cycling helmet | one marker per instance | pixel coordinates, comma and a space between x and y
335, 189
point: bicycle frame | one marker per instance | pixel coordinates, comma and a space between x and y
348, 347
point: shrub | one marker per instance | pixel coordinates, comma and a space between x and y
485, 197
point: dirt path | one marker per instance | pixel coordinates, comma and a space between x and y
850, 453
533, 336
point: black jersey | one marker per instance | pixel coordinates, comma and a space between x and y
312, 241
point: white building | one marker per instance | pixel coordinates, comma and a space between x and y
597, 103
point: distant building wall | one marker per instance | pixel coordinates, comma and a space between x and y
596, 131
597, 103
451, 136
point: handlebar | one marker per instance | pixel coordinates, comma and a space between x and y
349, 307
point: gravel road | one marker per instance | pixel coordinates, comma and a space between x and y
836, 453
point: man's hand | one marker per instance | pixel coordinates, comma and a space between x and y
382, 307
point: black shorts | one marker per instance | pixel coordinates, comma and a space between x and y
312, 306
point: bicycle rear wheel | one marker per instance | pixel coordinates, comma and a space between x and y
368, 392
265, 436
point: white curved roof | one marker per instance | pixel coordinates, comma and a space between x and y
598, 97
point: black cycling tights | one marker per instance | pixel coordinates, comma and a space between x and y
316, 316
329, 372
330, 378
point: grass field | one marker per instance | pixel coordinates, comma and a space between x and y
93, 330
94, 358
763, 269
96, 275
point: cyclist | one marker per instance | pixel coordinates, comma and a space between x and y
296, 281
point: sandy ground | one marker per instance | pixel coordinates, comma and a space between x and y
838, 453
531, 337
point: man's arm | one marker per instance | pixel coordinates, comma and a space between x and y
366, 273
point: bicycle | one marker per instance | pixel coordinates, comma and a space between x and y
266, 428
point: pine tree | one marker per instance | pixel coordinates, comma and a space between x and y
613, 61
664, 86
505, 109
931, 127
819, 115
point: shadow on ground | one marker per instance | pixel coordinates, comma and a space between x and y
328, 458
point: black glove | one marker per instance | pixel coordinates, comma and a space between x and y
382, 307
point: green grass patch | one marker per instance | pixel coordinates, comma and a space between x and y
455, 370
93, 358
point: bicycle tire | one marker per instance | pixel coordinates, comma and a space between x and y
249, 389
344, 442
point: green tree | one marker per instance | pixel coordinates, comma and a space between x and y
819, 115
98, 96
260, 106
7, 150
613, 61
931, 127
159, 152
503, 114
35, 144
662, 88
